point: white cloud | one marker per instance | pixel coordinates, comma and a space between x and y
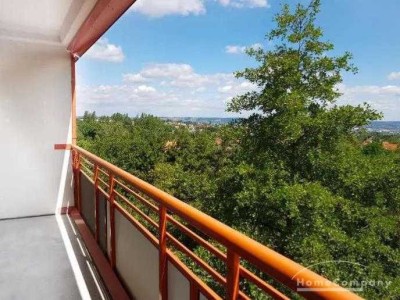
237, 89
145, 89
135, 78
157, 8
178, 90
385, 99
233, 89
244, 3
166, 70
371, 90
178, 75
239, 49
103, 50
169, 90
394, 76
234, 49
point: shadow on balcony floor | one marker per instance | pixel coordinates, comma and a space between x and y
34, 263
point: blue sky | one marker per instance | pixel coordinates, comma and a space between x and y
176, 57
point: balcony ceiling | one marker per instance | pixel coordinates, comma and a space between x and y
52, 22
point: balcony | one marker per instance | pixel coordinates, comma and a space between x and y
124, 238
75, 226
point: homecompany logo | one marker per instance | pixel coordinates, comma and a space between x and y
337, 284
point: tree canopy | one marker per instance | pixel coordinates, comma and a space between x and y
294, 110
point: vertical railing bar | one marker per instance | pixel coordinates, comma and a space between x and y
106, 224
232, 280
96, 200
194, 291
73, 100
112, 219
76, 171
163, 263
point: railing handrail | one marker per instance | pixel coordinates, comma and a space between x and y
286, 271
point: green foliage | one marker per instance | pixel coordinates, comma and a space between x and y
373, 149
135, 145
293, 107
345, 207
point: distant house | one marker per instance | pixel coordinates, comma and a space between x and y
390, 146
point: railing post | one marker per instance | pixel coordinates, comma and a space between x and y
163, 260
96, 200
112, 219
194, 291
232, 281
76, 165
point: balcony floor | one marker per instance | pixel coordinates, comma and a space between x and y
34, 263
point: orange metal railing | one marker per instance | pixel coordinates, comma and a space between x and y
168, 222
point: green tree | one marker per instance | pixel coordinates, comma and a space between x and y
293, 106
305, 186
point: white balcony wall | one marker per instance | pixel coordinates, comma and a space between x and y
137, 260
35, 114
178, 284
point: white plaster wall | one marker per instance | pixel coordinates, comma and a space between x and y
136, 260
178, 285
35, 114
